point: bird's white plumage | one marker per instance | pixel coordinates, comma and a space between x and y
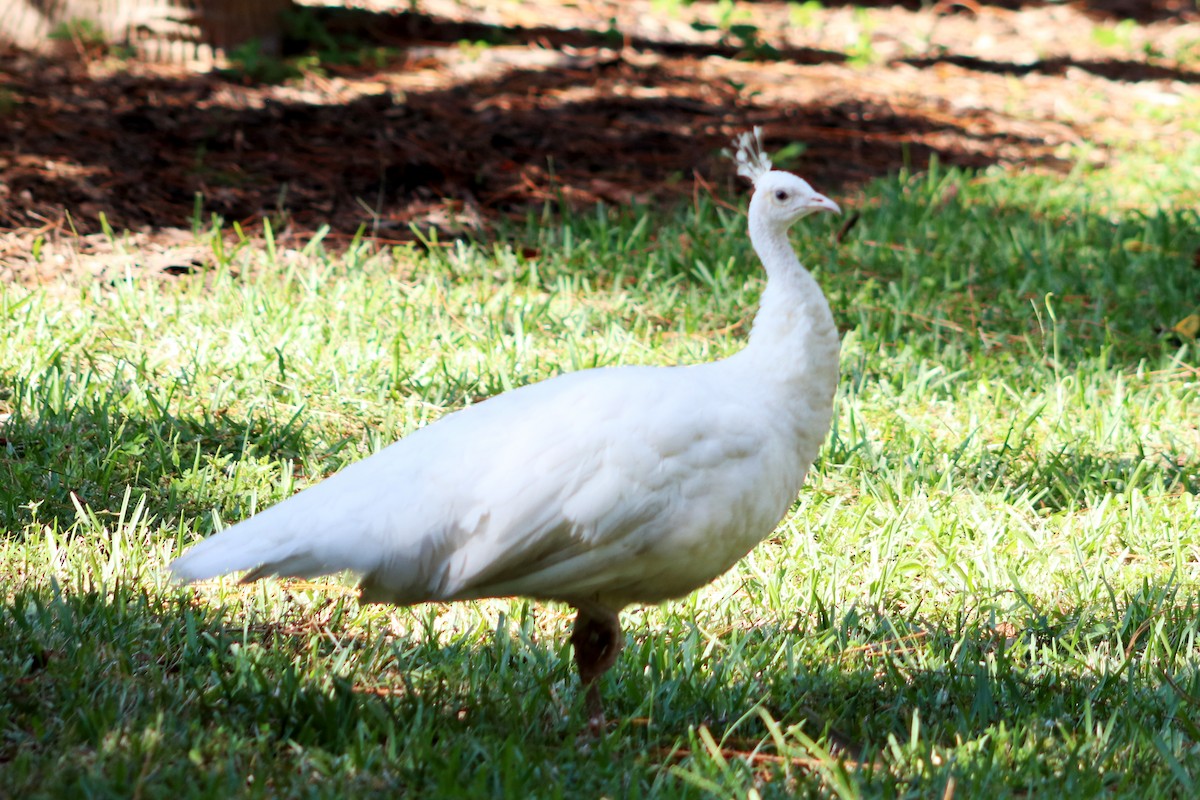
600, 488
515, 496
751, 160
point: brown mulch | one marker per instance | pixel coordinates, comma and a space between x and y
583, 102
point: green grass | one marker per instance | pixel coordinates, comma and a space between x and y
990, 586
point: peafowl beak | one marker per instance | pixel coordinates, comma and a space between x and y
820, 202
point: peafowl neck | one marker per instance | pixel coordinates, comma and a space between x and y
794, 340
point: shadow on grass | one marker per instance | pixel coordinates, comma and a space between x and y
226, 702
64, 452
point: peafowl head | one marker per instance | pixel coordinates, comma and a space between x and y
780, 198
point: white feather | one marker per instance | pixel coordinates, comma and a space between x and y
751, 159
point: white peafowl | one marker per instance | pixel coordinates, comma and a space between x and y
601, 488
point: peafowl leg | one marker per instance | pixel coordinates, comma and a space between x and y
597, 640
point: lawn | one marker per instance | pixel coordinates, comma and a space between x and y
989, 586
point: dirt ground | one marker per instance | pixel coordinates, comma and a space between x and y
467, 110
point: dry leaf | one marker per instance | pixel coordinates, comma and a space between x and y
1189, 326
